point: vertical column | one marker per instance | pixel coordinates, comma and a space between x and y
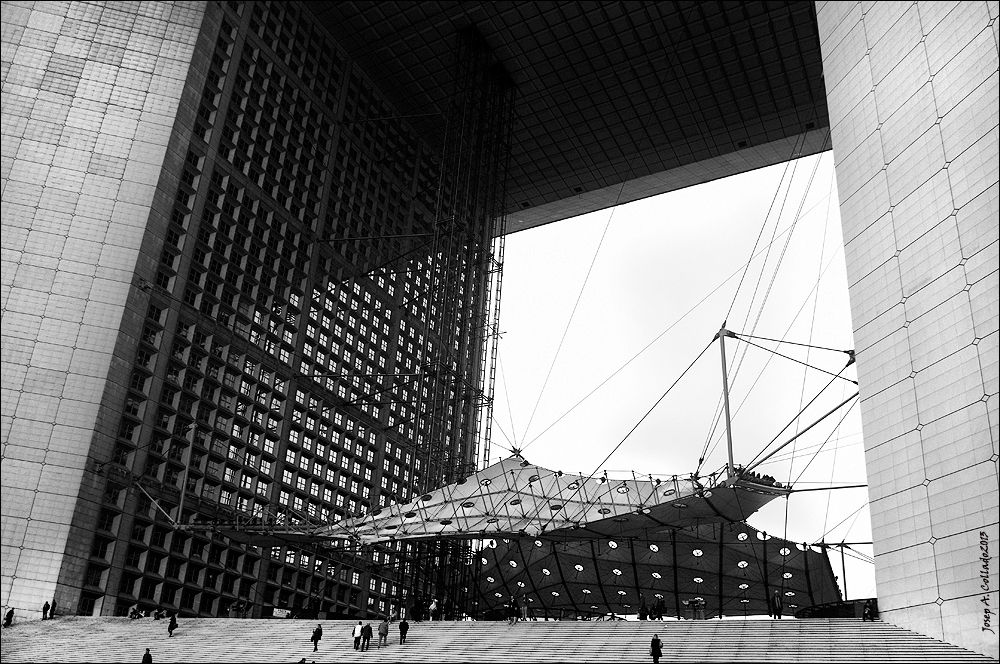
90, 93
912, 90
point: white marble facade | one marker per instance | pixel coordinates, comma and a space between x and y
913, 96
90, 93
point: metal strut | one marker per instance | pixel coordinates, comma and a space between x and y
723, 333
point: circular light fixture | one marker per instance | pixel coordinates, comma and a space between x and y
784, 550
658, 596
586, 592
613, 544
573, 485
697, 553
668, 493
742, 564
604, 510
410, 515
467, 504
555, 508
485, 562
654, 548
744, 586
742, 537
512, 563
533, 478
698, 579
546, 572
445, 522
745, 601
538, 542
616, 572
555, 593
492, 519
391, 526
377, 512
490, 579
657, 575
516, 501
426, 497
786, 575
622, 489
789, 593
622, 593
520, 584
578, 567
679, 506
498, 594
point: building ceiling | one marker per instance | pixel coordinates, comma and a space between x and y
616, 101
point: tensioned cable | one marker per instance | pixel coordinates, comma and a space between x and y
841, 522
791, 158
802, 391
622, 442
805, 364
797, 343
510, 413
739, 363
647, 346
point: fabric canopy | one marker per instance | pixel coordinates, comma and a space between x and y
732, 568
514, 498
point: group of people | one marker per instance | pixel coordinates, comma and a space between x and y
363, 634
159, 614
655, 612
48, 613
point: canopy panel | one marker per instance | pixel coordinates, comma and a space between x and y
514, 498
732, 566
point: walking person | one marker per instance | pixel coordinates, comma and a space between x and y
52, 611
404, 627
432, 610
776, 606
383, 633
316, 636
172, 625
366, 637
656, 649
8, 618
358, 629
147, 658
45, 611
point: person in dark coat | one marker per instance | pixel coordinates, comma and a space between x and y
173, 624
366, 636
656, 649
147, 658
52, 611
8, 618
776, 606
317, 635
514, 611
45, 611
404, 627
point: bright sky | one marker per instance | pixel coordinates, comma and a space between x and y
583, 297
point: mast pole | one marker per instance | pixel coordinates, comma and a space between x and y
723, 333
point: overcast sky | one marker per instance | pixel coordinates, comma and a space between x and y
583, 297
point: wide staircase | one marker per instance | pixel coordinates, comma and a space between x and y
233, 640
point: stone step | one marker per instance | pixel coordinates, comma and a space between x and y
78, 639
